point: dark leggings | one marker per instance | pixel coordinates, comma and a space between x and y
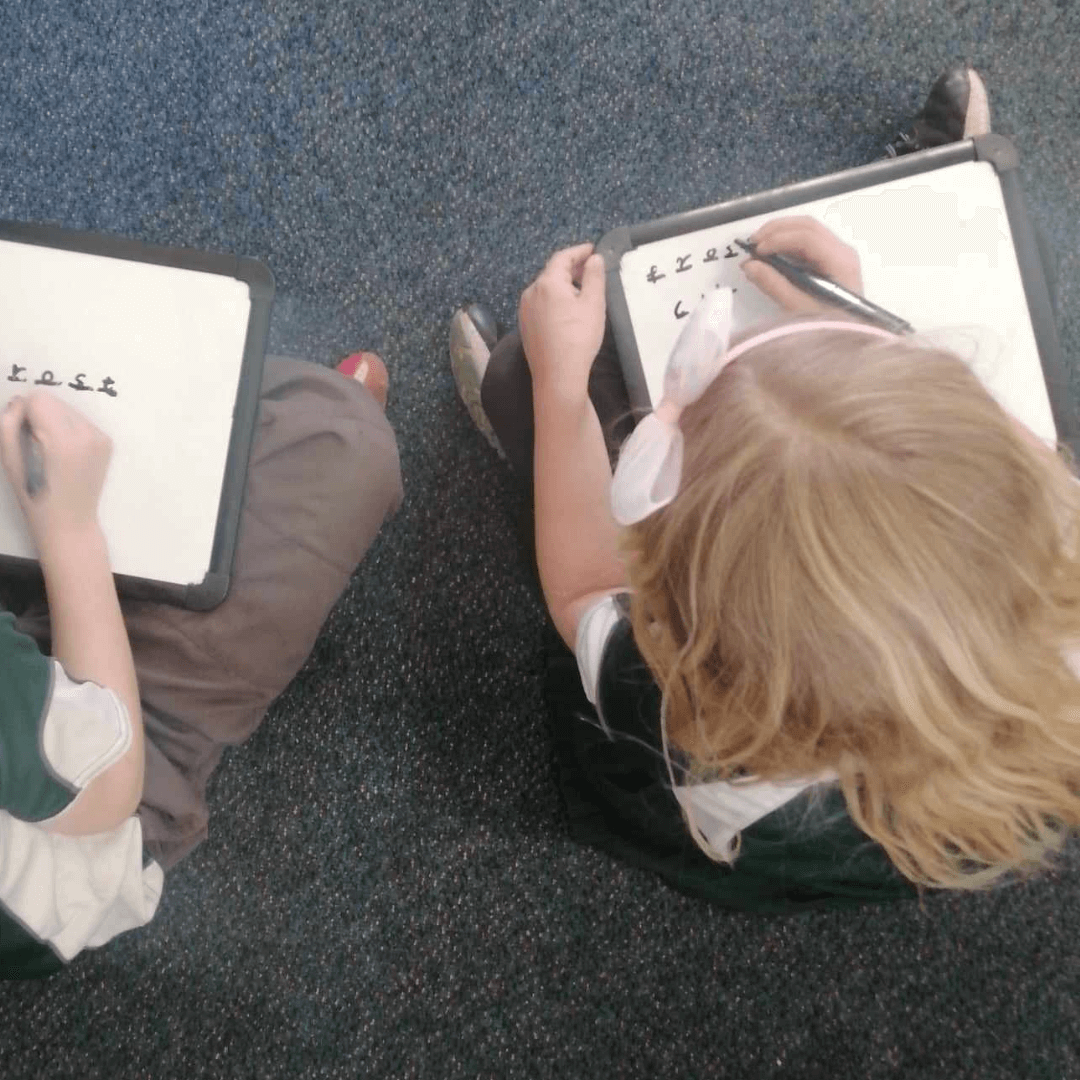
506, 394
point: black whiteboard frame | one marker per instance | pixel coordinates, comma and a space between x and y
208, 593
996, 149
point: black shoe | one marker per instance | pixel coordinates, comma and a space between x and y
956, 108
485, 324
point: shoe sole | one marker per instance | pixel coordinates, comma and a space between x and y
467, 348
977, 118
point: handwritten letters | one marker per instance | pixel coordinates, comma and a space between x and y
48, 378
684, 264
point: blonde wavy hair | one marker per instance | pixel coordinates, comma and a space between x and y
870, 569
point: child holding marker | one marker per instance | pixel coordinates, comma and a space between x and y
114, 713
824, 616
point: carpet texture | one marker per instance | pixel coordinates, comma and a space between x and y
388, 890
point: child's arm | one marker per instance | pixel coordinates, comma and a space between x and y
561, 329
89, 637
91, 643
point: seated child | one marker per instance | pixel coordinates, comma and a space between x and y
825, 658
106, 746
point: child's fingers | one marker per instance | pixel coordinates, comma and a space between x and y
806, 239
11, 418
586, 255
567, 262
801, 237
49, 415
789, 234
57, 424
592, 280
12, 412
777, 287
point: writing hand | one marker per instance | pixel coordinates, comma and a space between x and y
804, 239
75, 455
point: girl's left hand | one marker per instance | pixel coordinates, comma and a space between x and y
561, 318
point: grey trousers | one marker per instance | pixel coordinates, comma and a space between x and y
324, 475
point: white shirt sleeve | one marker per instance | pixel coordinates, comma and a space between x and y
87, 728
593, 630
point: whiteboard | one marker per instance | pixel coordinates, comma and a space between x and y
936, 249
159, 349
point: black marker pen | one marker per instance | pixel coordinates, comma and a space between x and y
820, 287
32, 463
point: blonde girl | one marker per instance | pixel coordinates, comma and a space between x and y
822, 617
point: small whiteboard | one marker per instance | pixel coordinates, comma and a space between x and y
944, 242
163, 350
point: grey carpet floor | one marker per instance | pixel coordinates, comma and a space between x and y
388, 890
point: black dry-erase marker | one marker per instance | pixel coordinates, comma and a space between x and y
820, 287
32, 463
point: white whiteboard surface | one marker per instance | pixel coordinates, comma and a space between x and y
172, 342
936, 249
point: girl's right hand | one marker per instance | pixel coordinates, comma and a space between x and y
804, 239
75, 455
561, 318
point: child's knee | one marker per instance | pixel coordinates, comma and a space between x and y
370, 466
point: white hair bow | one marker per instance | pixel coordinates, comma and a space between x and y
650, 462
649, 471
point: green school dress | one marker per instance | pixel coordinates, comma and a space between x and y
805, 853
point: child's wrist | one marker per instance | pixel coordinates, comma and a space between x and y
558, 388
60, 545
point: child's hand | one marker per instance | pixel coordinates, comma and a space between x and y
75, 454
562, 325
807, 240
